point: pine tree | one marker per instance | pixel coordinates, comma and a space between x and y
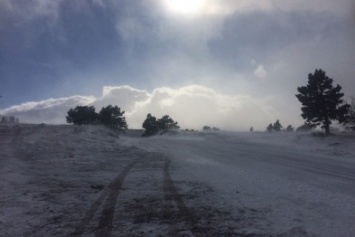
150, 125
270, 128
82, 115
321, 102
112, 116
166, 123
290, 128
277, 126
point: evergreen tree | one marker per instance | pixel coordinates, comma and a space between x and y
166, 123
82, 115
321, 102
112, 117
277, 126
289, 128
270, 128
150, 125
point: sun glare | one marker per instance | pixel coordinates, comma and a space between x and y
185, 6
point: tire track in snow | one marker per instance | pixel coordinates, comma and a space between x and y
171, 194
106, 219
168, 205
112, 192
89, 214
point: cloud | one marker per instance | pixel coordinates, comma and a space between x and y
51, 111
260, 71
228, 6
192, 106
124, 96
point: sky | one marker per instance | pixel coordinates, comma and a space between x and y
225, 63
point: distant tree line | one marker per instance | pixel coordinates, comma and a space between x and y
277, 127
208, 128
110, 116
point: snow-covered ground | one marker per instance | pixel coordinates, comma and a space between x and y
91, 181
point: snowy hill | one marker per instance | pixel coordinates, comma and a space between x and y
92, 181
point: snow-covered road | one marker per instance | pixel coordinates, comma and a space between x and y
87, 181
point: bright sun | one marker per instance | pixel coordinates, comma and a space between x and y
185, 6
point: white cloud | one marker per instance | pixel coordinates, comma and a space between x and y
230, 6
260, 71
192, 106
226, 7
124, 96
46, 111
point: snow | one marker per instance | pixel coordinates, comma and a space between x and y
91, 181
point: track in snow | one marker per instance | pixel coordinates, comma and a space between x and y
110, 197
